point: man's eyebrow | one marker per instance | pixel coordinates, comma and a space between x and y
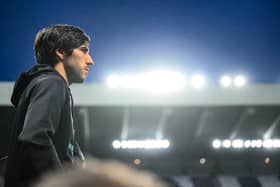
83, 46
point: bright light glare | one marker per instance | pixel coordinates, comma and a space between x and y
276, 143
124, 144
216, 144
225, 81
247, 144
268, 143
227, 143
164, 81
259, 143
154, 81
116, 144
141, 144
131, 144
165, 144
202, 161
127, 81
198, 81
239, 81
237, 143
113, 81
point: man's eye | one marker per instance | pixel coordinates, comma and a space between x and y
84, 49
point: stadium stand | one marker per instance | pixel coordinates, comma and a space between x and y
190, 121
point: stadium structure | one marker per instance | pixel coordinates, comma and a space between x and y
215, 136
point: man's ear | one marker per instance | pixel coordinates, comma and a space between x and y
60, 55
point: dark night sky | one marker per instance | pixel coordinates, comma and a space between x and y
212, 37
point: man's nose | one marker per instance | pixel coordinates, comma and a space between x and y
89, 60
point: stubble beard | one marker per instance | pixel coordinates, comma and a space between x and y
74, 76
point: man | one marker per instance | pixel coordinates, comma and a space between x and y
43, 136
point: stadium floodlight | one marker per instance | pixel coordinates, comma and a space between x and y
276, 143
124, 144
127, 81
164, 144
164, 81
131, 144
255, 143
259, 143
268, 143
113, 81
198, 81
239, 81
155, 81
149, 144
216, 144
225, 81
237, 143
140, 80
202, 161
116, 144
226, 143
141, 144
247, 144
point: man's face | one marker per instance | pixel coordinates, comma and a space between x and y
77, 64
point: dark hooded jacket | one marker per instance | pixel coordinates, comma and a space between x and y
42, 136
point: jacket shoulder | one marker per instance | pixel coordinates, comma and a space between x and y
50, 78
50, 81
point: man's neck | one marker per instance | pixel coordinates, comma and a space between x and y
59, 67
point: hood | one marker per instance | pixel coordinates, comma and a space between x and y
26, 77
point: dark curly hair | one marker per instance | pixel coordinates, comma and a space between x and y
59, 36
